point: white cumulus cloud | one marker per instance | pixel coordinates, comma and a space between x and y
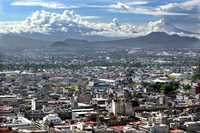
175, 17
125, 8
191, 21
67, 22
73, 25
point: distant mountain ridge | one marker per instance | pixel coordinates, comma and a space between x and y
70, 42
11, 41
152, 40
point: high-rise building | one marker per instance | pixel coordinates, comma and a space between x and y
33, 104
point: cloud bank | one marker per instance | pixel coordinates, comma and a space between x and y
67, 22
184, 16
173, 19
191, 21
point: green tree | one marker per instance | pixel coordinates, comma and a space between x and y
196, 75
187, 87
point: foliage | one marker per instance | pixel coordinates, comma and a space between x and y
163, 87
187, 87
171, 87
196, 77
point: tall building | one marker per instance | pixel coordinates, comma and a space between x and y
33, 104
118, 106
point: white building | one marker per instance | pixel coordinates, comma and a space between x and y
33, 104
52, 118
101, 102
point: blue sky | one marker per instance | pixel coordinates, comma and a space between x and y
10, 12
129, 15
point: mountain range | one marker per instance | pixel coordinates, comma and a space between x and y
12, 41
152, 40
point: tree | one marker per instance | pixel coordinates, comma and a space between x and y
171, 87
196, 75
187, 87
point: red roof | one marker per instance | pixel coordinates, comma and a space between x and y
176, 131
118, 128
90, 122
5, 130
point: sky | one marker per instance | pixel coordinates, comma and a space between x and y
109, 18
